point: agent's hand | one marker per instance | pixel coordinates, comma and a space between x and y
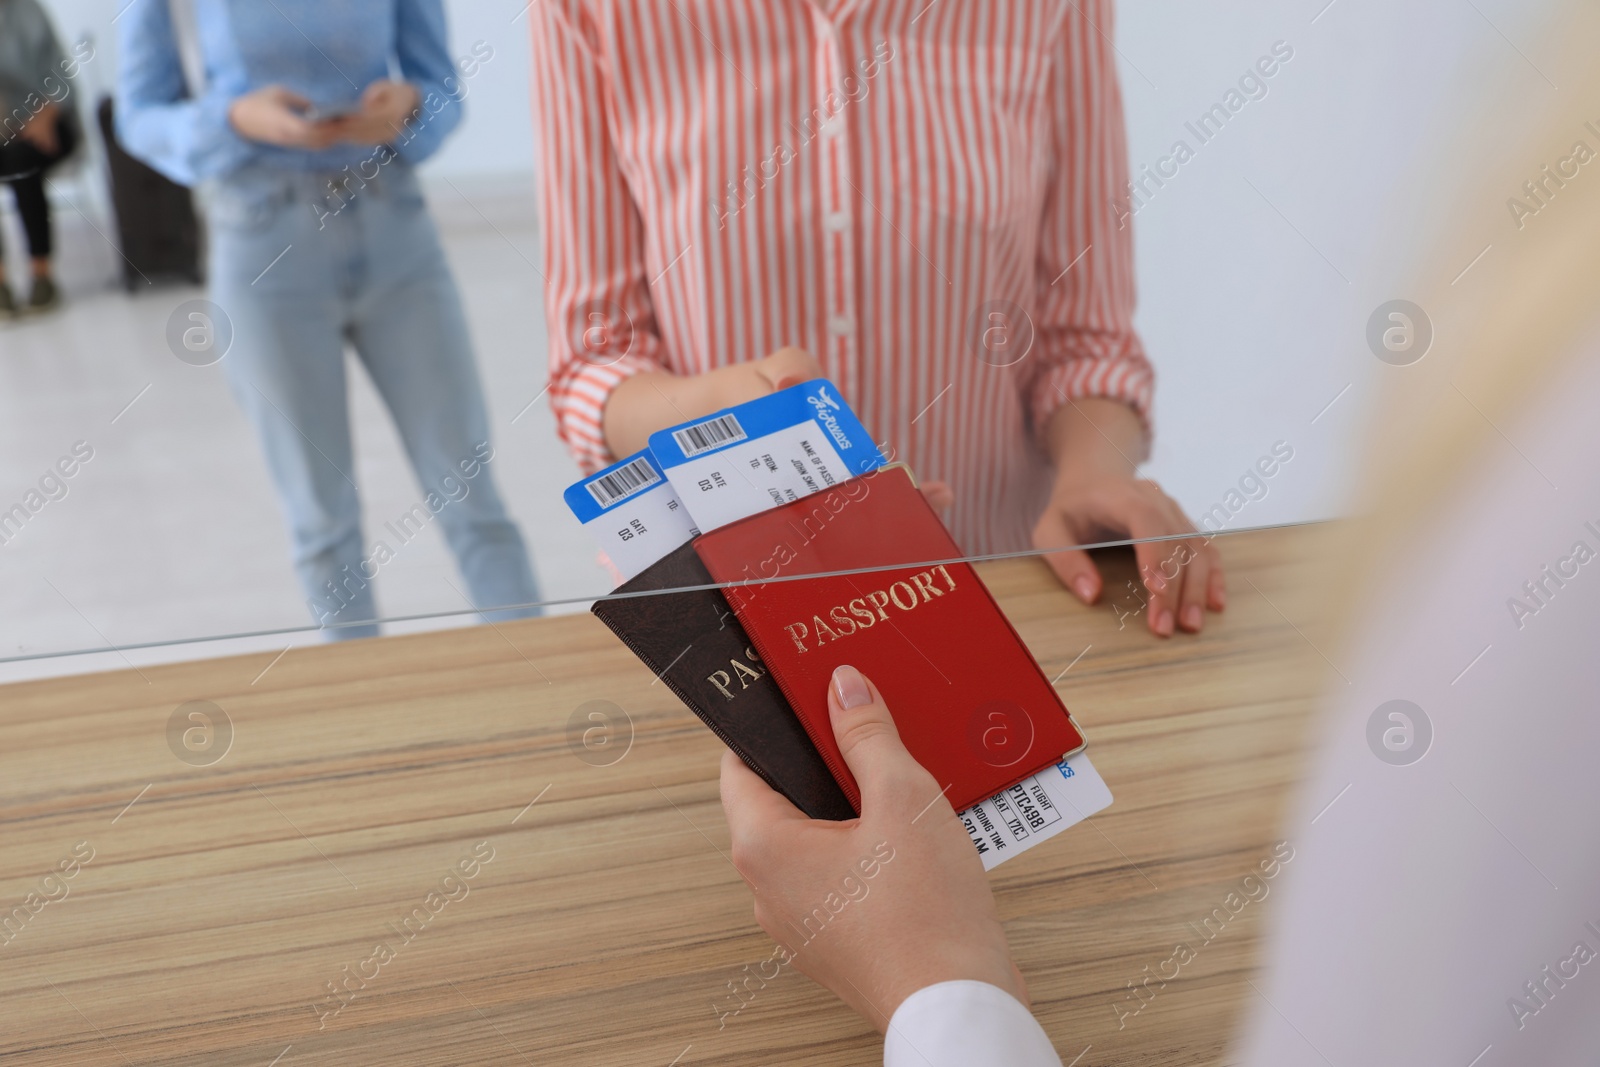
385, 107
880, 906
1097, 498
40, 131
276, 115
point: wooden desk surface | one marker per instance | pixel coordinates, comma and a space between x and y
222, 901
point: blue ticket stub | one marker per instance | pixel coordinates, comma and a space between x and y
632, 512
764, 453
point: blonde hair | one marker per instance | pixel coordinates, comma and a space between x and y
1501, 332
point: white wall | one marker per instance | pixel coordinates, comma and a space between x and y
1254, 301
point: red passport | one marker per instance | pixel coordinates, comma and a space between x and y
968, 697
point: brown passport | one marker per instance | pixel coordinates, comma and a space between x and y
694, 643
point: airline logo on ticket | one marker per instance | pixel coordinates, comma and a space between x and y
632, 512
764, 453
1035, 810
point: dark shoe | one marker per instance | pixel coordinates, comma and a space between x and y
8, 303
44, 295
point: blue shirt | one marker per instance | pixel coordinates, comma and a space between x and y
326, 50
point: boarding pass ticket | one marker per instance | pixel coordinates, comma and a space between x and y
1035, 810
758, 455
632, 512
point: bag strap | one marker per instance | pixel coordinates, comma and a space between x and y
186, 34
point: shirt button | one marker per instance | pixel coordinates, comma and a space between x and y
840, 325
832, 127
838, 221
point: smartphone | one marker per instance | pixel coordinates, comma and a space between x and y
327, 112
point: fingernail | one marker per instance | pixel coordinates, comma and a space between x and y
1222, 599
1164, 623
1193, 617
1084, 587
850, 687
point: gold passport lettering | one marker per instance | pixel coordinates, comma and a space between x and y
722, 679
865, 612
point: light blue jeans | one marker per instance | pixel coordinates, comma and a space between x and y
300, 272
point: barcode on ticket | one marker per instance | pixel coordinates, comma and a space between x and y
705, 436
623, 482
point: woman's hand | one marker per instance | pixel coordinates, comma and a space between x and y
880, 906
40, 131
385, 107
277, 116
1096, 444
645, 403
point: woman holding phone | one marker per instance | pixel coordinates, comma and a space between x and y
303, 146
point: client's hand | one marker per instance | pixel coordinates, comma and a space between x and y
881, 906
728, 386
1096, 445
645, 403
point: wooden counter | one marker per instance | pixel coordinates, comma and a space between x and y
222, 900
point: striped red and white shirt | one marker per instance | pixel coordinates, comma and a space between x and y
921, 194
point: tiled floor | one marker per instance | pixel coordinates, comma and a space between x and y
171, 530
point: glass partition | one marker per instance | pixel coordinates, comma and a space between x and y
1280, 169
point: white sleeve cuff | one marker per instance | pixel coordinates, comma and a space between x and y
965, 1024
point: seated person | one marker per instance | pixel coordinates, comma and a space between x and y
38, 130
